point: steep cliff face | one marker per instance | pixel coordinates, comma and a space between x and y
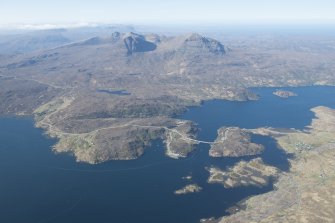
137, 43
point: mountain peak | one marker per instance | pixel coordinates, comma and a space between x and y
193, 37
137, 43
197, 41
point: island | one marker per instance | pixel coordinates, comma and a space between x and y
284, 94
234, 142
188, 177
191, 188
244, 173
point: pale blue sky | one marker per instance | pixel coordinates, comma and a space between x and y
167, 11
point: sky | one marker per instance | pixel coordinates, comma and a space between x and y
169, 12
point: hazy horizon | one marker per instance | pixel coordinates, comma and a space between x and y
27, 14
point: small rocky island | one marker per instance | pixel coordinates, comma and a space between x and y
234, 142
284, 94
191, 188
188, 177
251, 173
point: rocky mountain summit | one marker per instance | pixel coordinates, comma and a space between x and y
197, 41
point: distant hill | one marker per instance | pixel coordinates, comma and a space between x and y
32, 41
136, 52
46, 39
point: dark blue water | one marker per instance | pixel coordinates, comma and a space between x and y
271, 110
116, 92
39, 186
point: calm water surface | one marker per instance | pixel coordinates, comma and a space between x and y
39, 186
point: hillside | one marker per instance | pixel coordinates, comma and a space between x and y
126, 88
